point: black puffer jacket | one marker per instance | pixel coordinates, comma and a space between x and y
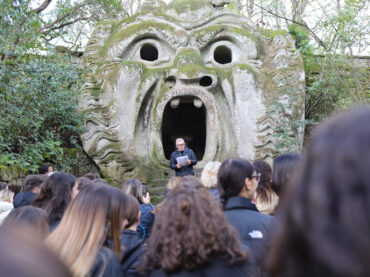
186, 169
255, 228
24, 198
133, 250
105, 265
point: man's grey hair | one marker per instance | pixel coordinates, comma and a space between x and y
179, 139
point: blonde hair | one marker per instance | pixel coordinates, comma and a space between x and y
173, 182
209, 174
6, 195
97, 211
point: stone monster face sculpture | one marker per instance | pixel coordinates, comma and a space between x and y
185, 70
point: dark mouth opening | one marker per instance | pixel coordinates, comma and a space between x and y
185, 119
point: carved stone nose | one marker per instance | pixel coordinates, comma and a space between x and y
178, 78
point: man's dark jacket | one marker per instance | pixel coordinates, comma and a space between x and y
255, 228
186, 169
24, 198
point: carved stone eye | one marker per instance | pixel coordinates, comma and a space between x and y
149, 52
222, 54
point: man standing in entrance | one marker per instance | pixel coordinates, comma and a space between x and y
183, 159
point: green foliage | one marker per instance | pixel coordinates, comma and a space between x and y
38, 116
333, 80
18, 28
38, 92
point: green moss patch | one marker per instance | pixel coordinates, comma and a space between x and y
120, 34
224, 28
270, 34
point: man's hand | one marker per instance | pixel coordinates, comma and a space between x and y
179, 165
188, 162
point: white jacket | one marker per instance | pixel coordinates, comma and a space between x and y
5, 208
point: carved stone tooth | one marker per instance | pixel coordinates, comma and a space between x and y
198, 103
175, 103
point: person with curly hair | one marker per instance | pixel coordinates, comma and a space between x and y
191, 237
325, 223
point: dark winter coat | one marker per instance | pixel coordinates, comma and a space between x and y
24, 198
106, 264
146, 220
255, 228
218, 268
54, 225
186, 169
133, 250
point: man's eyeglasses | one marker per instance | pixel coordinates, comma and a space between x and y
182, 144
257, 177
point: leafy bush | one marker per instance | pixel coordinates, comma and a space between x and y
39, 110
333, 80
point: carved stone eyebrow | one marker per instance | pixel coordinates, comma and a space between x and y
152, 29
206, 35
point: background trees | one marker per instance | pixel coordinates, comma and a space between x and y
330, 34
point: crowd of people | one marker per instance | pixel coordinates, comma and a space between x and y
307, 215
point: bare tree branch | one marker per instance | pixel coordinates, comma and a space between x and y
319, 41
64, 24
42, 7
49, 27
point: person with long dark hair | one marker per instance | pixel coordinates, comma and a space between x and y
191, 237
237, 183
266, 198
55, 196
325, 222
132, 244
284, 167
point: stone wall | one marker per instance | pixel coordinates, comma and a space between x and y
14, 175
